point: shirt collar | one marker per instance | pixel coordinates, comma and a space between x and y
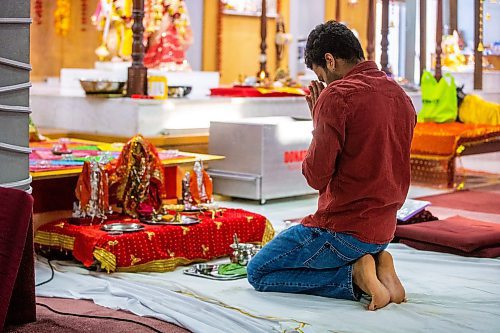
362, 67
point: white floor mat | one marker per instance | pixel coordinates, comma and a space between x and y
446, 293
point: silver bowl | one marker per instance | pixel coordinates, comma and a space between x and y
206, 269
178, 91
242, 253
102, 86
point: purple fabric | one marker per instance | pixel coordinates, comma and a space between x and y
17, 287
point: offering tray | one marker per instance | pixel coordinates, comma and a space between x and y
193, 209
184, 220
122, 227
200, 208
208, 271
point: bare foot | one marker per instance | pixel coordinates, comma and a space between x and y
386, 273
364, 275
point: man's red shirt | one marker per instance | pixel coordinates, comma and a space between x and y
359, 157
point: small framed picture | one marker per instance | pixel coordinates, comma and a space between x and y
249, 7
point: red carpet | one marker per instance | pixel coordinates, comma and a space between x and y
48, 321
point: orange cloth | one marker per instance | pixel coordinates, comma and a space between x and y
444, 139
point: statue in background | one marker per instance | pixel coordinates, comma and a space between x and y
168, 34
452, 57
114, 19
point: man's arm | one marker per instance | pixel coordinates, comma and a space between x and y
318, 166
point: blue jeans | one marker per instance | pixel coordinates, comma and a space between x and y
309, 261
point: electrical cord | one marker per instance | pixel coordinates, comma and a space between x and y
51, 276
87, 316
99, 317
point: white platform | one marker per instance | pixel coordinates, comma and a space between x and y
127, 117
491, 81
64, 105
201, 82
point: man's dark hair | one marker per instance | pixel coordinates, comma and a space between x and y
335, 38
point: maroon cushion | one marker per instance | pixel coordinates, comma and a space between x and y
488, 252
455, 232
17, 289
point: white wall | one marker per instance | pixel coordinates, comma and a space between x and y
194, 53
492, 27
466, 22
304, 16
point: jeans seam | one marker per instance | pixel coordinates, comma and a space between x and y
319, 252
350, 282
341, 256
351, 246
348, 286
302, 244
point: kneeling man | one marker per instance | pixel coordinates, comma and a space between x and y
359, 161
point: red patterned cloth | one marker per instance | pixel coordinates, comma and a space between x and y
156, 248
256, 92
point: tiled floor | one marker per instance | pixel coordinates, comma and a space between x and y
279, 210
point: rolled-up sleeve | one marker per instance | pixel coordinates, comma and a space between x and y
318, 166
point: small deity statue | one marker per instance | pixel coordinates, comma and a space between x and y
187, 198
197, 186
92, 192
137, 181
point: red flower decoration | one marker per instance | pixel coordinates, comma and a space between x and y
38, 9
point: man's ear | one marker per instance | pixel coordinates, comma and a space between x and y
330, 62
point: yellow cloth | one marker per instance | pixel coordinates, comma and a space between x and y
475, 110
287, 90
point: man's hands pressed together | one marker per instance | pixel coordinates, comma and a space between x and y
315, 89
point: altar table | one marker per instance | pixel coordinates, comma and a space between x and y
156, 248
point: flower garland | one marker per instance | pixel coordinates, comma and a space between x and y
62, 17
84, 14
38, 11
